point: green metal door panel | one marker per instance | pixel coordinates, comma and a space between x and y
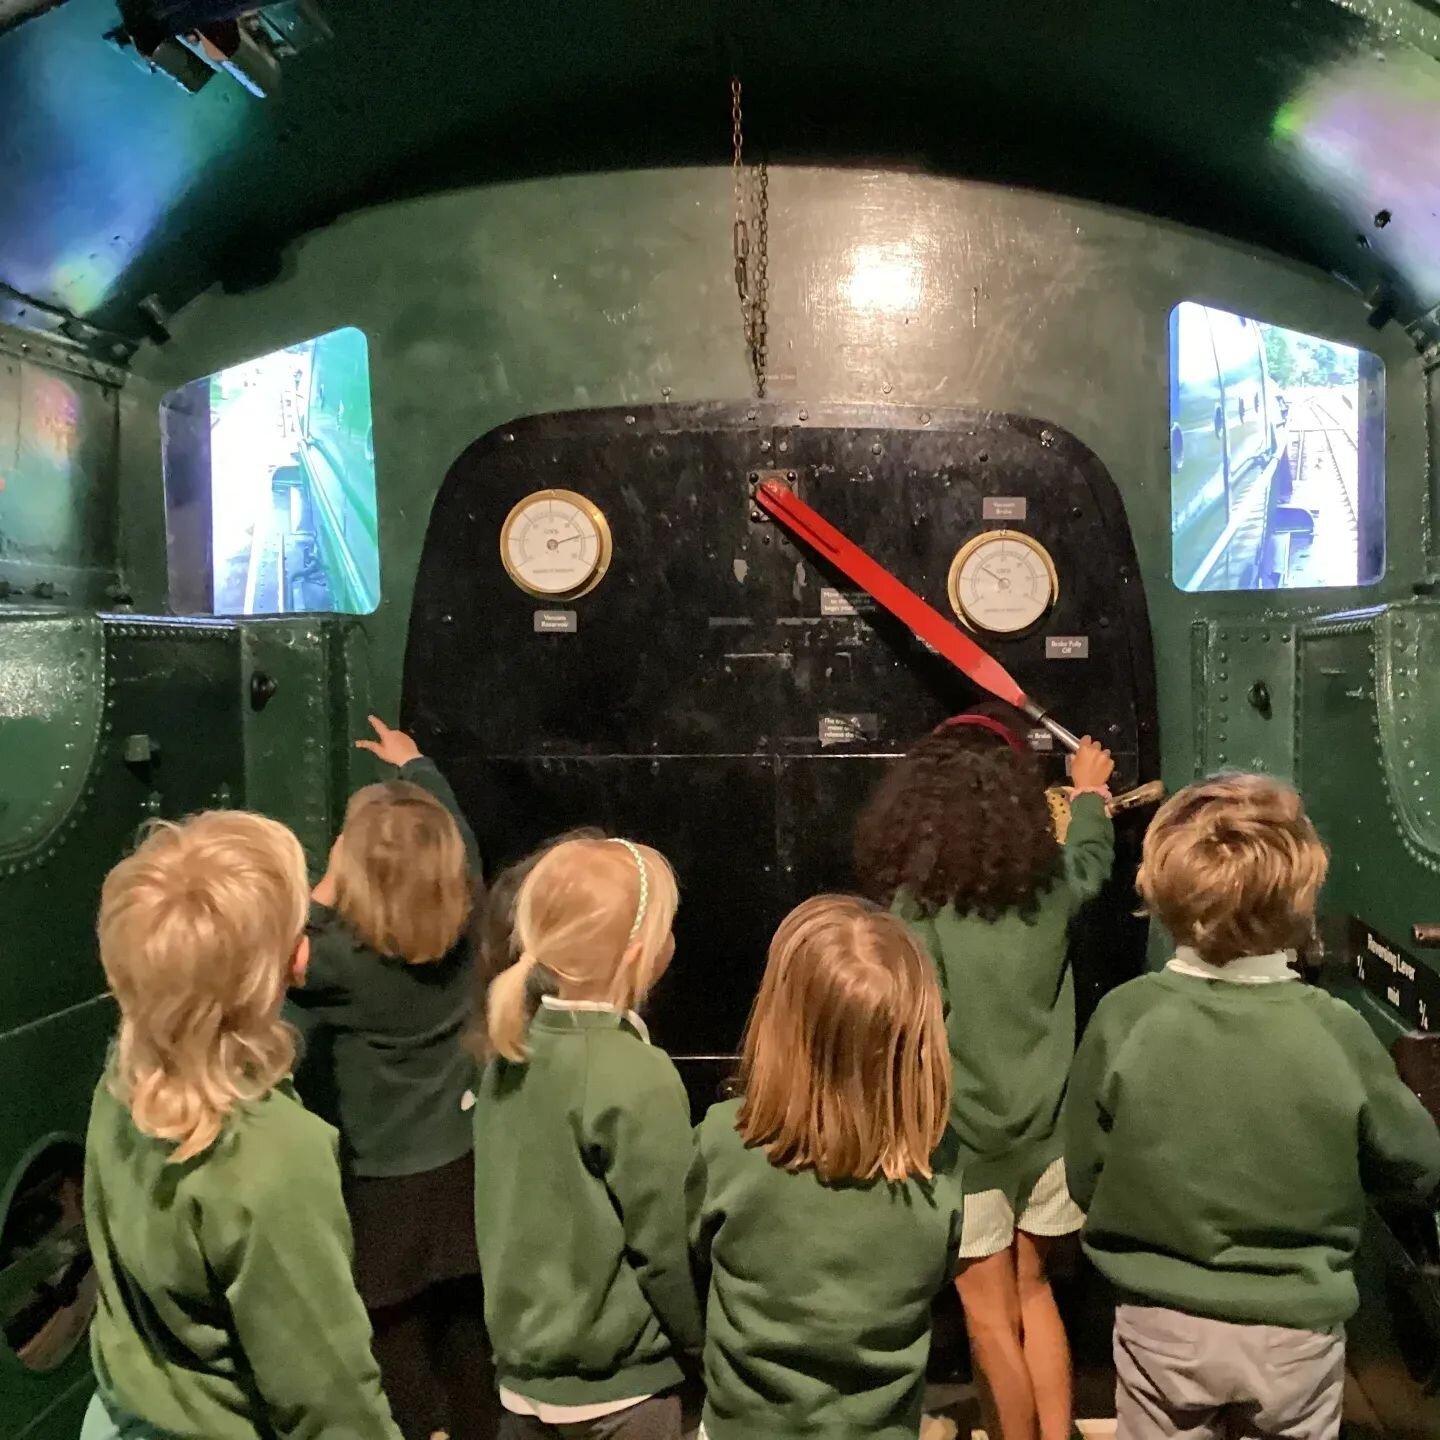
176, 684
1360, 726
169, 686
52, 700
47, 1074
1243, 680
299, 746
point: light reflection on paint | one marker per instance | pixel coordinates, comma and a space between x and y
94, 206
884, 277
1365, 131
53, 423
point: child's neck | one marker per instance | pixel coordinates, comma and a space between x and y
585, 994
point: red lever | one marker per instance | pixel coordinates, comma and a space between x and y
904, 604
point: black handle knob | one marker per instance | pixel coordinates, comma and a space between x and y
1259, 698
262, 690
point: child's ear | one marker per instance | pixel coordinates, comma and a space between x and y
300, 960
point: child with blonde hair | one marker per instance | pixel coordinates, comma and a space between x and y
213, 1199
812, 1200
958, 840
497, 938
585, 1130
388, 999
1224, 1125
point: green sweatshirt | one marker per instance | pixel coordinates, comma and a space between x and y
1223, 1137
818, 1320
580, 1212
226, 1306
384, 1057
1010, 1012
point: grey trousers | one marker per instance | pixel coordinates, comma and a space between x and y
1178, 1377
655, 1419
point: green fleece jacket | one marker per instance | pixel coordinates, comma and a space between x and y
818, 1321
384, 1058
1009, 998
1223, 1137
580, 1212
226, 1305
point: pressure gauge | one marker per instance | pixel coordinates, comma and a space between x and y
555, 544
1002, 581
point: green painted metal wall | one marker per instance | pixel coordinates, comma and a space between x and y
491, 303
59, 424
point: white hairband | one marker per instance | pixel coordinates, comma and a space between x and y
639, 860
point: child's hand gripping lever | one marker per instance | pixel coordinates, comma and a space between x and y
920, 618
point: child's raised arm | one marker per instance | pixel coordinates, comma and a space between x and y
395, 747
1090, 840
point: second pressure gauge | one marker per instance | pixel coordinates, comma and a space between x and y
555, 544
1002, 581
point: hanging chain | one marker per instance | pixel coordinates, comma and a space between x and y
751, 243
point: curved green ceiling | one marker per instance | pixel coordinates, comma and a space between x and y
1307, 126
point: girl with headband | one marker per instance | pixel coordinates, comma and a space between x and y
957, 840
584, 1130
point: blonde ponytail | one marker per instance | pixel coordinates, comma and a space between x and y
508, 1008
593, 917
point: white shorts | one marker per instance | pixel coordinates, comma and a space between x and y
990, 1223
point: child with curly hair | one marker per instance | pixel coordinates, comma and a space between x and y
958, 841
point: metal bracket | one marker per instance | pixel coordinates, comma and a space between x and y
757, 478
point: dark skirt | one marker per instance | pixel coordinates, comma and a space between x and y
412, 1231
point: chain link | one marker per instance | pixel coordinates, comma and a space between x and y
751, 243
759, 330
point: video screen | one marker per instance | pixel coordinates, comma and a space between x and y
270, 484
1277, 456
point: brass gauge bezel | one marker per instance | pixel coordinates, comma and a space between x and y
991, 537
602, 531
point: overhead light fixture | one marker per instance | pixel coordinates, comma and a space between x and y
192, 41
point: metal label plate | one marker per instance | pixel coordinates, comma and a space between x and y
1393, 975
556, 622
845, 602
1003, 507
847, 729
1067, 647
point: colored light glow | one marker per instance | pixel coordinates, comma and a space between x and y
86, 118
53, 419
1365, 132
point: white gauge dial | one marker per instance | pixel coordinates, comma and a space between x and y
1002, 581
555, 544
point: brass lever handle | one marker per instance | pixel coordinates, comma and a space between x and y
1058, 797
1427, 936
1148, 794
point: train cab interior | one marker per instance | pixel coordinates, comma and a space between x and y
433, 361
